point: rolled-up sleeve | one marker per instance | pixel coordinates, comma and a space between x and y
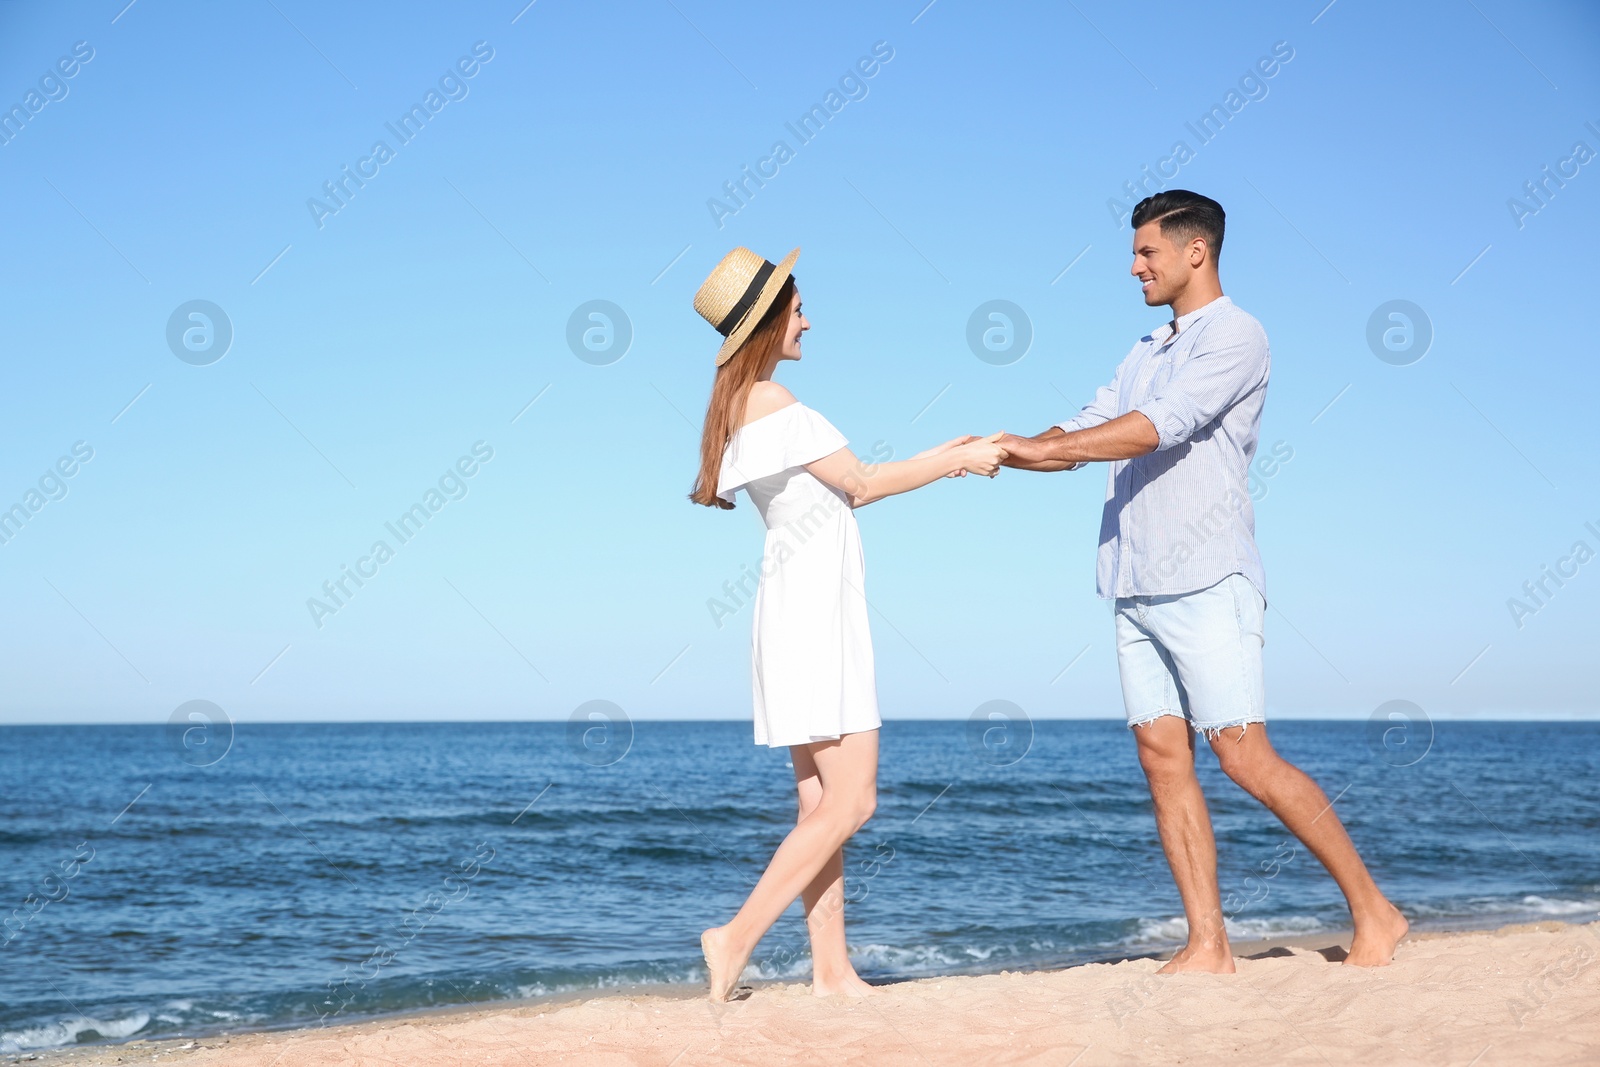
1106, 404
1229, 362
1103, 408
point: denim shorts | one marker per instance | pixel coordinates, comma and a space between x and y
1194, 655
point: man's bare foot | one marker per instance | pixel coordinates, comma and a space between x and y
723, 964
1376, 938
1206, 958
849, 985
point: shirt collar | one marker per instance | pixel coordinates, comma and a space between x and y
1160, 334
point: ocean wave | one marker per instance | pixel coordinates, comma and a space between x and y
71, 1031
686, 975
1152, 933
1531, 906
1161, 933
1282, 926
904, 961
1158, 932
917, 959
1545, 906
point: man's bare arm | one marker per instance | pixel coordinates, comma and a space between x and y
1123, 437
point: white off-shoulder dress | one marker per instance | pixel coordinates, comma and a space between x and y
811, 650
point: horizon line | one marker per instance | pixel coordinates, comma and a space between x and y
1497, 717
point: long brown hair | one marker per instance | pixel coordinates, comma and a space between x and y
731, 390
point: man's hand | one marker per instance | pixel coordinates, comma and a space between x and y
1124, 437
1034, 453
1021, 450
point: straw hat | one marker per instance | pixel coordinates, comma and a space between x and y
738, 292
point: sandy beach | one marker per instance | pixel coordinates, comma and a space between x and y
1518, 995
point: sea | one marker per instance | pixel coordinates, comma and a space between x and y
165, 881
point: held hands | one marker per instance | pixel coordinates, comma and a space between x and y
984, 455
1025, 449
937, 450
980, 455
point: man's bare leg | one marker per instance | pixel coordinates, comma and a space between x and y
1247, 756
1166, 752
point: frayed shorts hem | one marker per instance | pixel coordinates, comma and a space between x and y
1209, 730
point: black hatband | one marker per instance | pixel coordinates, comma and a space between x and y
737, 312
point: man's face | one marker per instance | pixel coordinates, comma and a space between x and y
1163, 268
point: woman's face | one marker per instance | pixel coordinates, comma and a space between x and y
796, 325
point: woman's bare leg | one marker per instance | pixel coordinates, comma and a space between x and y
831, 969
848, 770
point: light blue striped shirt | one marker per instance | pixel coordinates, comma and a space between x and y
1180, 519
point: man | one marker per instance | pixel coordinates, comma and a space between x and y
1179, 424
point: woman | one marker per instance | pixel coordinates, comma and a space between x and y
811, 656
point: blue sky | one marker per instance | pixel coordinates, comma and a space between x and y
375, 346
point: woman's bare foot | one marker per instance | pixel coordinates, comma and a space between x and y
848, 985
1207, 958
724, 964
1375, 938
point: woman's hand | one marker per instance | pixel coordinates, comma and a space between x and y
981, 455
947, 446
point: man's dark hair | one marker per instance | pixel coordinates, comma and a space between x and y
1184, 216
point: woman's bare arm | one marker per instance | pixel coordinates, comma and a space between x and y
863, 483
